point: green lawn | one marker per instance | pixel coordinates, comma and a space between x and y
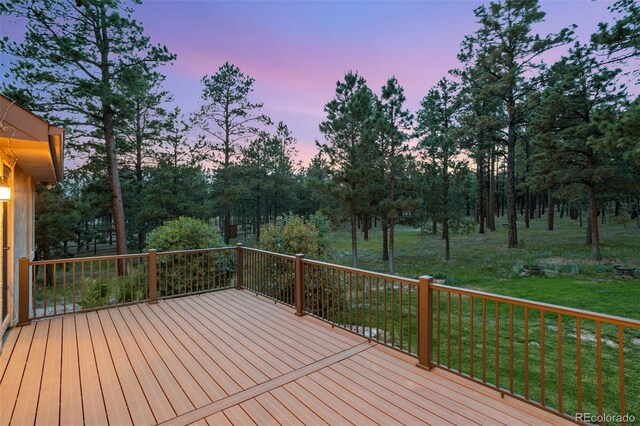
570, 279
483, 262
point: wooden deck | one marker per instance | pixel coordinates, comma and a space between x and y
227, 358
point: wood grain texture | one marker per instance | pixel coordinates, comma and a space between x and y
228, 358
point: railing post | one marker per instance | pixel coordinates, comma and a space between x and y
153, 278
425, 322
23, 289
239, 266
299, 285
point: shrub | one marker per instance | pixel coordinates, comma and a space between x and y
131, 288
190, 272
95, 293
311, 237
184, 233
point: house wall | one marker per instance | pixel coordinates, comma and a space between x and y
22, 223
4, 323
19, 237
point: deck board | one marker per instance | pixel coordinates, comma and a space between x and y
7, 350
93, 406
114, 400
70, 394
146, 332
10, 385
49, 398
227, 358
27, 402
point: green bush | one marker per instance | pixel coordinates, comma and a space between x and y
127, 287
311, 237
190, 272
184, 233
95, 293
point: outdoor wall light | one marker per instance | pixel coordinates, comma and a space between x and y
5, 192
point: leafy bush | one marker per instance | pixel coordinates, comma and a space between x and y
184, 233
95, 293
127, 287
311, 237
189, 272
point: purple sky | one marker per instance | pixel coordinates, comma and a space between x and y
297, 50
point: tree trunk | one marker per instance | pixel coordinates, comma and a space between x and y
595, 235
445, 206
511, 186
491, 201
354, 237
365, 226
114, 184
385, 240
392, 265
257, 228
589, 239
527, 207
445, 236
481, 210
550, 213
226, 219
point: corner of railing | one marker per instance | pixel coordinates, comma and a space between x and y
239, 266
24, 294
425, 322
299, 286
153, 278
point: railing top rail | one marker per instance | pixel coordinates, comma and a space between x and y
165, 253
284, 256
362, 271
612, 319
87, 259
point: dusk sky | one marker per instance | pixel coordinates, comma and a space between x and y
297, 50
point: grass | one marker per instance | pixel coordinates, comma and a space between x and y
570, 279
483, 262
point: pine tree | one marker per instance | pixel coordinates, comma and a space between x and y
350, 131
506, 49
571, 148
395, 124
227, 117
437, 121
71, 68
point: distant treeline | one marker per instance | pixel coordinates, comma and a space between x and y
503, 134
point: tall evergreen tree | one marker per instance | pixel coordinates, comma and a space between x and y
508, 51
437, 121
350, 131
73, 53
571, 147
395, 124
227, 117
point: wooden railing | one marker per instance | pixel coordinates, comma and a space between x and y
270, 274
563, 360
560, 359
51, 288
194, 271
381, 307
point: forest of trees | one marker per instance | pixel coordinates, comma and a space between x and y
504, 135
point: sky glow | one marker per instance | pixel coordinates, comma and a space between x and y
297, 50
